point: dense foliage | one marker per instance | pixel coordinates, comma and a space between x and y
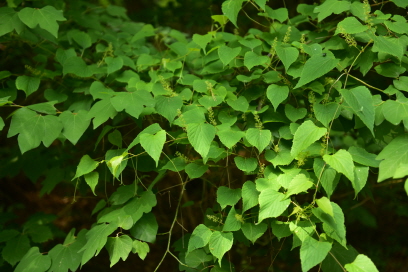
225, 142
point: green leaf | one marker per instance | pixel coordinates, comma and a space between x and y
360, 101
277, 94
298, 184
146, 31
327, 175
116, 163
199, 238
252, 232
305, 135
66, 257
46, 17
249, 195
294, 114
333, 225
146, 228
325, 113
200, 136
227, 54
342, 162
259, 138
350, 25
118, 247
338, 257
227, 196
283, 157
280, 14
252, 59
195, 170
272, 204
34, 261
33, 129
325, 205
230, 8
240, 104
396, 111
92, 180
141, 248
74, 124
395, 159
360, 178
361, 264
246, 164
15, 249
233, 221
315, 67
230, 137
406, 186
101, 111
220, 243
99, 91
388, 45
6, 20
132, 102
28, 84
96, 239
280, 229
202, 40
313, 252
77, 66
1, 124
153, 144
85, 166
301, 230
329, 7
287, 55
80, 37
114, 64
168, 106
47, 108
261, 3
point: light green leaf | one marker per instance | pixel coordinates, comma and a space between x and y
92, 180
85, 166
246, 164
230, 137
74, 124
294, 114
240, 104
145, 228
227, 54
252, 59
388, 45
325, 205
195, 170
46, 17
305, 135
277, 94
342, 162
328, 178
272, 204
259, 138
1, 124
406, 186
333, 225
220, 243
261, 3
146, 31
6, 20
227, 196
34, 261
301, 230
199, 238
287, 55
200, 136
80, 37
114, 64
298, 184
198, 258
360, 101
96, 239
329, 7
202, 40
313, 252
99, 91
395, 159
168, 106
325, 113
396, 111
118, 247
132, 102
249, 195
117, 163
233, 221
230, 8
350, 25
153, 144
15, 249
28, 84
280, 14
101, 111
280, 229
47, 108
77, 66
252, 232
316, 67
361, 264
360, 178
141, 248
